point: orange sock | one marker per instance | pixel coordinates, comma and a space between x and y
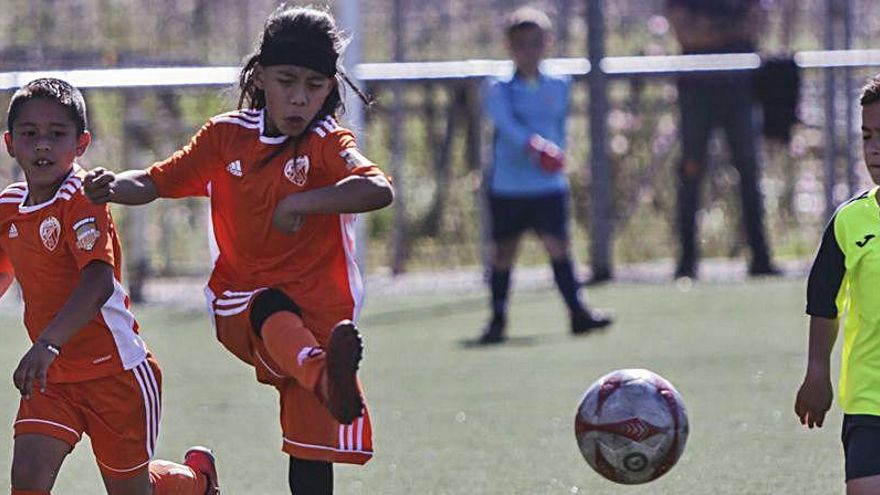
171, 478
294, 348
28, 492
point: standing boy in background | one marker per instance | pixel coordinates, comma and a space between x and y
527, 186
88, 371
844, 280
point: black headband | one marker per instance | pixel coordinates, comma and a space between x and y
300, 54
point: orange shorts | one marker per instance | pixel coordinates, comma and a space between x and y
119, 413
308, 429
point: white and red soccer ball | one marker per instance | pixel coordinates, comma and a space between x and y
631, 426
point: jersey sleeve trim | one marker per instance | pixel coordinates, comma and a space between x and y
14, 193
239, 117
326, 126
828, 273
826, 276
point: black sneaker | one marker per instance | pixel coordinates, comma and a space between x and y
494, 332
599, 277
686, 270
765, 270
585, 322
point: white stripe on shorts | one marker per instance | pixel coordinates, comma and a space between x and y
152, 403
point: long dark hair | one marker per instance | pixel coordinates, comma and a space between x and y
309, 26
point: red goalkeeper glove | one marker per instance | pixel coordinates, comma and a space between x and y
551, 158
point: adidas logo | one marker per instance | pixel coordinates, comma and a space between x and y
13, 231
234, 168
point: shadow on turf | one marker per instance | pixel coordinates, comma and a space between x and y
518, 341
407, 315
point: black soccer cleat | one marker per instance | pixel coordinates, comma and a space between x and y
685, 270
494, 332
587, 321
344, 352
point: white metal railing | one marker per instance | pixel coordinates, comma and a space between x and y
613, 66
634, 66
128, 78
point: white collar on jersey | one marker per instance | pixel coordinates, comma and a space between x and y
65, 191
269, 139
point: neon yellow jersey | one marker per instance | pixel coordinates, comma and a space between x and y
845, 282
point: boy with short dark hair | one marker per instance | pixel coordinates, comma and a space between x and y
88, 371
844, 279
527, 186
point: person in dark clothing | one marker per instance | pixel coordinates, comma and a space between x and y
708, 101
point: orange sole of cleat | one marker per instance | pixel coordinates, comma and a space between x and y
344, 352
203, 460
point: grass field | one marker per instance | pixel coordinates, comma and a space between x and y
451, 419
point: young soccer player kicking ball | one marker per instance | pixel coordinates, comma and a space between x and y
844, 279
284, 180
88, 371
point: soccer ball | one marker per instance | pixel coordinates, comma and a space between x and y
631, 426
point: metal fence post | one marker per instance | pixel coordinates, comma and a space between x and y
350, 18
136, 150
398, 151
851, 154
601, 224
830, 116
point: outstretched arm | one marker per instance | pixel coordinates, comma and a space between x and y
353, 194
94, 288
132, 187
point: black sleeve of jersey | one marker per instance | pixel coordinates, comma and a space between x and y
826, 276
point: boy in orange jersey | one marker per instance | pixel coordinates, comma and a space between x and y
284, 180
88, 371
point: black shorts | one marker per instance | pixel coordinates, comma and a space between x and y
861, 445
547, 214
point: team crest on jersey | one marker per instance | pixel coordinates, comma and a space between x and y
297, 170
87, 233
13, 231
354, 159
50, 233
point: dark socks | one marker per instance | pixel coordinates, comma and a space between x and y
499, 282
310, 477
563, 273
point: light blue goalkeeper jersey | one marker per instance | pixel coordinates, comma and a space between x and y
519, 108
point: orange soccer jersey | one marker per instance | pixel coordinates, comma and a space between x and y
246, 174
47, 245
